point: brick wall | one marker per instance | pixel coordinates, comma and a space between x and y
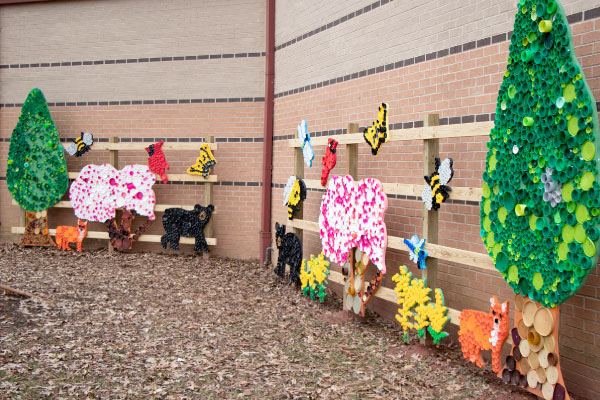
325, 40
145, 70
181, 70
455, 73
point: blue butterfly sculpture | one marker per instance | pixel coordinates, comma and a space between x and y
417, 253
307, 149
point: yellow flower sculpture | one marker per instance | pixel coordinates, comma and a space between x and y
416, 309
313, 276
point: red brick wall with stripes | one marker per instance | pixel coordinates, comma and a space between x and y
237, 127
461, 88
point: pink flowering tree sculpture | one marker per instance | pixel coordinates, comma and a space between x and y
100, 190
352, 223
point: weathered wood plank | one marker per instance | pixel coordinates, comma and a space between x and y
143, 238
398, 135
134, 146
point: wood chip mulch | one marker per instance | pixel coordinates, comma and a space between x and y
143, 325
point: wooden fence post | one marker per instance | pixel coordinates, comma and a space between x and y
352, 170
114, 161
299, 172
431, 150
208, 199
352, 153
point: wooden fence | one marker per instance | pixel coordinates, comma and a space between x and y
113, 146
430, 133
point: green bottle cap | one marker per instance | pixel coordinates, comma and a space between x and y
502, 213
573, 126
567, 190
520, 209
545, 25
502, 261
568, 233
589, 248
513, 274
509, 201
588, 151
569, 93
580, 233
587, 180
532, 222
593, 233
562, 251
540, 224
538, 281
582, 214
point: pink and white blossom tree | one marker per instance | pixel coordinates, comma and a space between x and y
100, 190
352, 219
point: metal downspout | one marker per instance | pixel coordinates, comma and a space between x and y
265, 228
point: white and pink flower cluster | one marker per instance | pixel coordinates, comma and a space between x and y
100, 189
352, 215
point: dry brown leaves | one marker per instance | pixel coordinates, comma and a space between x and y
164, 326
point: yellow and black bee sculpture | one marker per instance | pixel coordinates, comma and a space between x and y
377, 133
81, 144
294, 194
436, 190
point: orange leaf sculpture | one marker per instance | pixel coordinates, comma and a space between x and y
71, 234
480, 331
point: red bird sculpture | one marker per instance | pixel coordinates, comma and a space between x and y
329, 160
157, 161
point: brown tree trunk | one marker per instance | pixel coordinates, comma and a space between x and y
120, 237
36, 230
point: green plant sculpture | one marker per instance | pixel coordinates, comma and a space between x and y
37, 174
540, 211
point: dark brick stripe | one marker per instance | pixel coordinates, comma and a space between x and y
220, 183
338, 21
170, 139
475, 44
391, 196
464, 119
145, 102
179, 139
401, 125
134, 60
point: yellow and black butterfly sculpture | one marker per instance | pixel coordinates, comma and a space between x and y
378, 133
203, 163
435, 191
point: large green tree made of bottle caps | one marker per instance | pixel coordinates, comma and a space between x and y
540, 211
37, 174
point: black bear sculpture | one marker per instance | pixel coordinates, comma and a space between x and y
179, 222
290, 253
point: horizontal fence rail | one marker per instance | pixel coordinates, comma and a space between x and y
113, 147
430, 134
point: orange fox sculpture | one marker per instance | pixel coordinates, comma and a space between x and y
71, 234
480, 331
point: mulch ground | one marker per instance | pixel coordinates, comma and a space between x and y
166, 326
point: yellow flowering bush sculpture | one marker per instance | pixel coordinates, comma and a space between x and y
417, 311
313, 276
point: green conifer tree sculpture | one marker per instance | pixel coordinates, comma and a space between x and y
37, 174
540, 211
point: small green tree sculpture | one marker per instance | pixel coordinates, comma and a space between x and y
540, 211
37, 174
